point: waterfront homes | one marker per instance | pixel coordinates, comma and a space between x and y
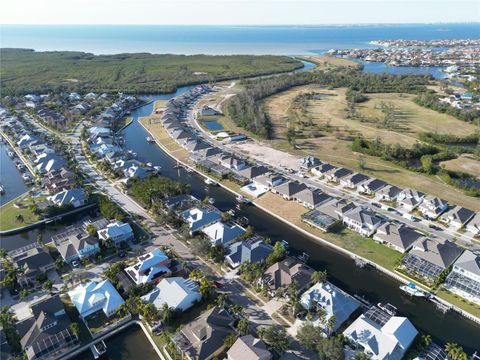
430, 257
474, 225
58, 180
180, 203
198, 218
457, 217
232, 162
248, 348
397, 236
464, 279
431, 207
178, 293
203, 338
117, 232
333, 300
320, 220
75, 243
252, 250
311, 198
91, 297
253, 172
371, 186
46, 334
362, 220
380, 335
270, 180
336, 208
73, 197
48, 161
286, 272
33, 263
353, 180
220, 233
388, 193
409, 199
289, 189
151, 267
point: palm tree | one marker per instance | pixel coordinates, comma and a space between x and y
196, 275
318, 276
455, 351
221, 300
426, 339
243, 326
206, 288
332, 320
75, 329
167, 313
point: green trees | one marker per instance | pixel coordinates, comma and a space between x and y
276, 337
8, 324
318, 276
109, 209
455, 351
243, 327
75, 329
48, 285
328, 348
278, 254
92, 231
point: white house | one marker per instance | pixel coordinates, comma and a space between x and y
117, 232
222, 234
176, 292
409, 199
473, 226
92, 297
74, 197
381, 337
457, 217
362, 220
464, 279
432, 207
198, 218
150, 267
335, 301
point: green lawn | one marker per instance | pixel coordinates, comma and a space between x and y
9, 213
456, 300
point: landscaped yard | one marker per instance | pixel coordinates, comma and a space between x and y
12, 217
454, 299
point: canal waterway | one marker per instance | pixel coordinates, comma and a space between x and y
342, 271
10, 177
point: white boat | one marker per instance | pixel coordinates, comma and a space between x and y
158, 168
2, 190
149, 164
11, 154
412, 290
242, 199
388, 308
211, 201
231, 212
149, 139
209, 181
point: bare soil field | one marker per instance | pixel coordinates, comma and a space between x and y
466, 163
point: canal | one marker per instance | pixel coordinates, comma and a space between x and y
342, 271
10, 177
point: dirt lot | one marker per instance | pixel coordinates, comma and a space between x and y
466, 163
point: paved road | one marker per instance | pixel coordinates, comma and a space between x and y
334, 190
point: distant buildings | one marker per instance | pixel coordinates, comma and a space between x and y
92, 297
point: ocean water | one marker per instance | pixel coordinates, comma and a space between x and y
281, 40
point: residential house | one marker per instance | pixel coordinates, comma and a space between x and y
430, 257
473, 225
196, 145
34, 262
208, 111
203, 338
73, 197
464, 279
48, 161
253, 172
380, 335
92, 297
151, 267
178, 293
388, 193
59, 180
232, 162
117, 231
289, 189
371, 186
26, 140
220, 233
311, 198
410, 199
457, 217
249, 348
336, 174
46, 334
397, 236
270, 180
362, 220
309, 162
322, 169
209, 152
200, 217
76, 244
353, 180
336, 208
252, 250
180, 203
333, 300
284, 273
432, 207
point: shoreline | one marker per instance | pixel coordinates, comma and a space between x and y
396, 276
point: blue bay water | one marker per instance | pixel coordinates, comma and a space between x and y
284, 40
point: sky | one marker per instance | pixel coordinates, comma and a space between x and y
237, 12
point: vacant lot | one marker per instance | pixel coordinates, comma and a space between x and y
327, 134
325, 61
466, 163
12, 217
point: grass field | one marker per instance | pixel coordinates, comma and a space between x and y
346, 238
329, 138
324, 62
454, 299
466, 163
9, 213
